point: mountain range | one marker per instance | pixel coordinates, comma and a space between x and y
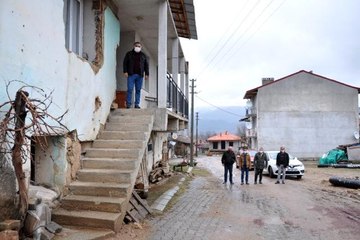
215, 120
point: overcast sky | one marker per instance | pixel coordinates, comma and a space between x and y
241, 41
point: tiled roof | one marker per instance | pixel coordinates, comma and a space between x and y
252, 92
225, 136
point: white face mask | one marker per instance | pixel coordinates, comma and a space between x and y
137, 49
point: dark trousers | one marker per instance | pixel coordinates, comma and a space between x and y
228, 168
244, 171
258, 172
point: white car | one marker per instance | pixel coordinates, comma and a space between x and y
295, 168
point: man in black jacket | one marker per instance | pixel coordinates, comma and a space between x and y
227, 160
134, 67
282, 162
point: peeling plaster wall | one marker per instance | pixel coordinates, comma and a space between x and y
32, 49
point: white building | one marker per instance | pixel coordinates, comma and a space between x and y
307, 113
75, 48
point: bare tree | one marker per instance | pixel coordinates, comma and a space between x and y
26, 119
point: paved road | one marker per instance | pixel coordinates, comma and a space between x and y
210, 210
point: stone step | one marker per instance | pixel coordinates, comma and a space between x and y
123, 135
95, 219
124, 144
112, 153
93, 203
113, 126
107, 189
110, 163
131, 119
105, 175
133, 112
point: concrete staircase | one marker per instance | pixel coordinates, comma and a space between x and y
101, 193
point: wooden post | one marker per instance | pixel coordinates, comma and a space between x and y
20, 114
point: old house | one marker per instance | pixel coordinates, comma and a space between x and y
75, 48
307, 113
223, 140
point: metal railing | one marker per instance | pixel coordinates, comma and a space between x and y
176, 99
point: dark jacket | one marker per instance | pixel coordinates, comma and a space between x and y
245, 158
260, 160
128, 64
228, 157
282, 159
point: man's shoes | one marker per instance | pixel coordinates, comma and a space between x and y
283, 182
232, 183
137, 106
224, 182
242, 183
260, 182
127, 106
247, 183
277, 182
255, 182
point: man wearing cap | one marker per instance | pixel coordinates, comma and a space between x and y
227, 160
282, 162
245, 162
260, 162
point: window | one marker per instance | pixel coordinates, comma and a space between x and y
215, 145
74, 25
84, 29
231, 144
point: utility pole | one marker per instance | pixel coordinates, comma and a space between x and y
192, 124
197, 129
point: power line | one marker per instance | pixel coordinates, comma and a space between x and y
228, 39
235, 114
247, 29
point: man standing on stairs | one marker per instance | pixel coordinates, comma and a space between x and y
134, 67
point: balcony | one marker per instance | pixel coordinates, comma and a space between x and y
176, 99
250, 112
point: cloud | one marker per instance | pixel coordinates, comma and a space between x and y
242, 41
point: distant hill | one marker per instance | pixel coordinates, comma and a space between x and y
216, 120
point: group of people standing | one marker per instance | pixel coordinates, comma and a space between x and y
260, 162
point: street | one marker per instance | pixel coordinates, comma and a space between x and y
309, 208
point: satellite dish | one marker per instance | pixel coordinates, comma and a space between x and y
248, 125
356, 135
248, 104
174, 136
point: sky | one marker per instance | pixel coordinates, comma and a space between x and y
242, 41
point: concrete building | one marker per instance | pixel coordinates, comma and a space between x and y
75, 48
221, 142
307, 113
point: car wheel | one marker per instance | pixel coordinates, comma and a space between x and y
271, 173
298, 177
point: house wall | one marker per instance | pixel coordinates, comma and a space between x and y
307, 114
33, 50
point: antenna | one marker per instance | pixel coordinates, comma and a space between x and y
356, 135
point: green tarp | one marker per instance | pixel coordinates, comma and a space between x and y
333, 157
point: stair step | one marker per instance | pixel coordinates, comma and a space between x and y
95, 219
133, 112
110, 163
93, 203
130, 119
112, 153
108, 189
123, 135
105, 175
123, 144
112, 126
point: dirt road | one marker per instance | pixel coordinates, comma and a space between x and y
309, 208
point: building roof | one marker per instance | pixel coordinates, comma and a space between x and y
183, 12
253, 92
226, 136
